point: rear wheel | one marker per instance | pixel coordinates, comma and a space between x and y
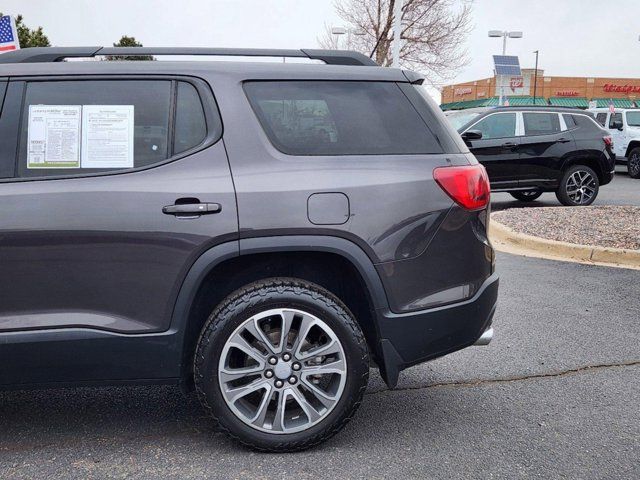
633, 163
525, 195
579, 186
281, 364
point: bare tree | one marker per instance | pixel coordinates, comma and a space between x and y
433, 33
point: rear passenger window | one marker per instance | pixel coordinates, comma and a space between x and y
601, 118
541, 123
92, 126
339, 118
569, 121
498, 125
190, 122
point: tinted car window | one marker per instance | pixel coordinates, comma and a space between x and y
190, 129
541, 123
151, 109
498, 125
569, 121
601, 118
585, 121
339, 118
615, 117
633, 119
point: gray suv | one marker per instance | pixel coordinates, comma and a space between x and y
259, 232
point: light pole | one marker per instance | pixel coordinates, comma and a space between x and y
535, 79
397, 33
504, 34
345, 31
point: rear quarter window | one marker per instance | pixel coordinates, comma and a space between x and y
339, 118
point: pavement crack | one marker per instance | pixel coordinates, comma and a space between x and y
519, 378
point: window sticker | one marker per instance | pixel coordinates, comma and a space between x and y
53, 136
107, 136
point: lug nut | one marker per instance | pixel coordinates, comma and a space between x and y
292, 379
273, 360
296, 366
268, 373
279, 383
286, 357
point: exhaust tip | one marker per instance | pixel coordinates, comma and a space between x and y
485, 338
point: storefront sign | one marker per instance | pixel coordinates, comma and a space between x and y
567, 93
612, 87
516, 82
458, 92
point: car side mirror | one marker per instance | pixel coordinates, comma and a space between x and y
472, 135
617, 124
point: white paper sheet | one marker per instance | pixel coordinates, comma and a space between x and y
53, 136
107, 136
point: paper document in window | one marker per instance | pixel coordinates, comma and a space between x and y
107, 136
53, 136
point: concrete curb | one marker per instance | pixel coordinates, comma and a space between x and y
506, 239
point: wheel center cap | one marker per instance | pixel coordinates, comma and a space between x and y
283, 370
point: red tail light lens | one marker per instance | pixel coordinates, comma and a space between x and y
608, 141
468, 186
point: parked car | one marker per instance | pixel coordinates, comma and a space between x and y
237, 228
624, 127
458, 118
531, 150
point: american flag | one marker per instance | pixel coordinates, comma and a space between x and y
8, 35
612, 107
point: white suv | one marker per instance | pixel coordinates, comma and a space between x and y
624, 126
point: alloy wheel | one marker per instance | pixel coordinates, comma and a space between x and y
581, 187
282, 371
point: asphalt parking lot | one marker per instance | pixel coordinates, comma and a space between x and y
554, 396
623, 190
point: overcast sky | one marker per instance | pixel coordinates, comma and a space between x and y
574, 37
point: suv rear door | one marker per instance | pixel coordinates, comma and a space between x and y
542, 148
498, 150
88, 246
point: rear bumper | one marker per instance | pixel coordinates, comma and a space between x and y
411, 338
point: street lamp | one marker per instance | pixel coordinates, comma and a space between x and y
504, 34
346, 31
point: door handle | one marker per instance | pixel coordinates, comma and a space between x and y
563, 140
192, 209
510, 145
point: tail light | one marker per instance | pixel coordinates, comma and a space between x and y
468, 185
608, 141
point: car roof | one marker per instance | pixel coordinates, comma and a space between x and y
541, 108
238, 69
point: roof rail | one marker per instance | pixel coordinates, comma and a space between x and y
57, 54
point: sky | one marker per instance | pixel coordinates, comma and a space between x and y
574, 37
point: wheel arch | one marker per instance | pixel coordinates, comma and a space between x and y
233, 264
632, 144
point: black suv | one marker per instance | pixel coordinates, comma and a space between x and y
258, 231
531, 150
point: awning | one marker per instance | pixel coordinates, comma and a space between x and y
580, 102
617, 102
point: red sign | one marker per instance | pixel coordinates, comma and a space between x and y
612, 87
516, 82
567, 93
458, 92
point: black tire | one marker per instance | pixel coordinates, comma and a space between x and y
633, 163
564, 194
263, 295
526, 195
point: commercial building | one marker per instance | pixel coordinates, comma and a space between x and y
559, 91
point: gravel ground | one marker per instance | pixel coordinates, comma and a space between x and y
604, 226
